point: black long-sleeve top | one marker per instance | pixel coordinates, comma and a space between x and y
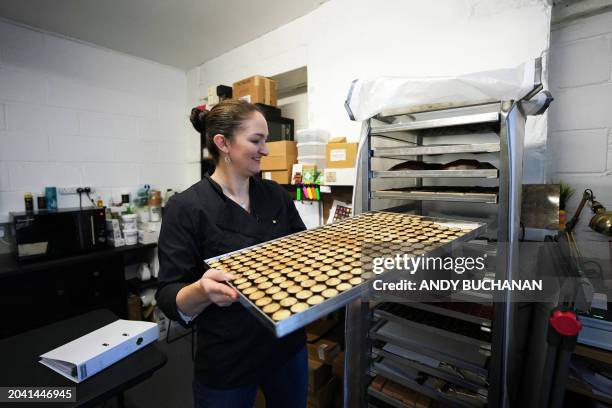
233, 348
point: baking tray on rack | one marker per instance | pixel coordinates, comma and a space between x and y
287, 289
425, 195
471, 173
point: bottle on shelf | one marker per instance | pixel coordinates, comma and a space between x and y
155, 202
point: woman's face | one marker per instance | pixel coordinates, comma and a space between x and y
248, 145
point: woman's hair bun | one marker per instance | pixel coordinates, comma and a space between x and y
198, 119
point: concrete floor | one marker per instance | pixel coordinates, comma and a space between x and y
170, 386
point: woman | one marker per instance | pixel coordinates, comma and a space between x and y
224, 212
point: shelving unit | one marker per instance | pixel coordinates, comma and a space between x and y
469, 344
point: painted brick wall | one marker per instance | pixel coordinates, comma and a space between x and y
580, 119
74, 114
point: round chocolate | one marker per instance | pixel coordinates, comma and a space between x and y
308, 283
281, 314
294, 289
263, 301
315, 300
303, 294
318, 288
328, 293
264, 285
279, 296
356, 281
287, 302
344, 286
271, 308
273, 290
257, 295
244, 285
321, 278
299, 307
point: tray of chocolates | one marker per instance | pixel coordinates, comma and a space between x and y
292, 281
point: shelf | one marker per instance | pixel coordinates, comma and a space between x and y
428, 344
385, 370
439, 309
476, 173
436, 372
404, 152
484, 198
386, 399
467, 119
579, 387
437, 324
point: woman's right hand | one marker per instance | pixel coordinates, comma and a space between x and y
215, 290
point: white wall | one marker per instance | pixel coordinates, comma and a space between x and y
347, 39
580, 138
73, 114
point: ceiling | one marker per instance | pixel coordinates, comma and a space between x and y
179, 33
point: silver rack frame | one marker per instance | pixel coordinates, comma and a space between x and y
508, 120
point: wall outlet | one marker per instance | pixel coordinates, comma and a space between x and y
73, 190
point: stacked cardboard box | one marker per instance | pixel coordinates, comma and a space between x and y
323, 385
278, 163
400, 393
340, 154
256, 89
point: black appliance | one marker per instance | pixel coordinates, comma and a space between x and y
50, 234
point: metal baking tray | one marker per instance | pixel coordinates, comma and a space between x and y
405, 152
485, 198
315, 312
475, 173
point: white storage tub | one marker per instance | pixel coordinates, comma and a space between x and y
319, 161
312, 135
311, 149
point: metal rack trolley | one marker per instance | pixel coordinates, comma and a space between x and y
407, 130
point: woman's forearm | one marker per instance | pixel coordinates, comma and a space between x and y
191, 299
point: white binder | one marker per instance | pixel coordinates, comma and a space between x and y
93, 352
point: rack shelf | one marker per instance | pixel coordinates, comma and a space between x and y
427, 344
405, 152
440, 325
484, 198
476, 173
384, 369
468, 119
436, 372
386, 399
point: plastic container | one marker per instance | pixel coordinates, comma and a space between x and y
311, 149
131, 237
155, 202
129, 221
312, 135
319, 161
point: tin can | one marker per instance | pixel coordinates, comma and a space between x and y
28, 201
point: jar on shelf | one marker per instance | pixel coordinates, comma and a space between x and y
155, 203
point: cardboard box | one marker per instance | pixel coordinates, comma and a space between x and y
319, 328
338, 366
324, 397
339, 154
339, 177
324, 350
281, 156
256, 89
280, 176
318, 374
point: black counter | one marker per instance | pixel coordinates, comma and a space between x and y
10, 265
35, 293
